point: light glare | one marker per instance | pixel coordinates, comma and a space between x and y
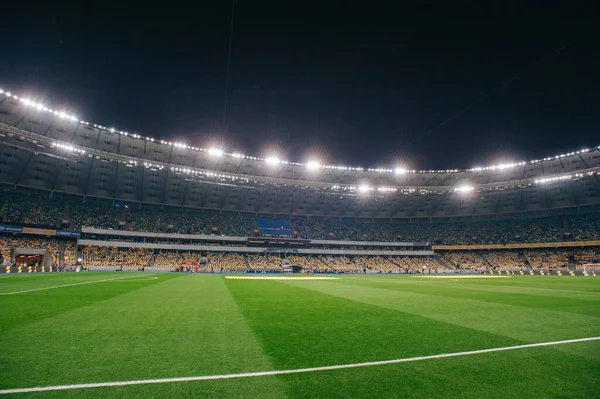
216, 152
464, 189
312, 165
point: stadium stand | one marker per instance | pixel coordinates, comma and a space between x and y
590, 258
70, 253
173, 259
9, 243
547, 259
585, 227
26, 208
109, 257
343, 264
466, 260
264, 263
228, 263
417, 264
309, 263
64, 174
374, 263
504, 259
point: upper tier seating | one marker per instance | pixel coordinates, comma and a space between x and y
30, 208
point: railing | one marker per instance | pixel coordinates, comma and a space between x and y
564, 244
238, 249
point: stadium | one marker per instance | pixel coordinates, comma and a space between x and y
234, 275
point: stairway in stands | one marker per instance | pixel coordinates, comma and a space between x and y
525, 260
487, 262
445, 262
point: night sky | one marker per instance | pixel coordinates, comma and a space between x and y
355, 83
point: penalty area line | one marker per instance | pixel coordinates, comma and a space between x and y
68, 285
292, 371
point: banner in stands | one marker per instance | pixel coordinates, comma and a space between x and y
10, 229
65, 233
281, 251
518, 245
32, 230
45, 232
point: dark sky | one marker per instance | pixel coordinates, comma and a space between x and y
358, 83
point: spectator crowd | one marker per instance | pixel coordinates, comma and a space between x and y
29, 208
118, 257
9, 243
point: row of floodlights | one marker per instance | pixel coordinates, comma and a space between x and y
208, 174
312, 165
364, 188
563, 177
523, 163
68, 148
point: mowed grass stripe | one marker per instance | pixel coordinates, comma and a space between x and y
515, 322
515, 374
181, 326
523, 298
537, 282
516, 288
170, 326
577, 284
292, 371
19, 310
303, 328
530, 373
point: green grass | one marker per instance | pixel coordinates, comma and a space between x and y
189, 325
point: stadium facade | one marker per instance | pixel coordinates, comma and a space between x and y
51, 157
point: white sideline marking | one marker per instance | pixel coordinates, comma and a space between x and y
68, 285
292, 371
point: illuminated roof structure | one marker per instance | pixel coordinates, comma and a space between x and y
53, 150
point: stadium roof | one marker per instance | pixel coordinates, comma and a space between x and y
53, 150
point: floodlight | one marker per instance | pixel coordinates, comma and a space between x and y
464, 189
400, 171
312, 165
272, 160
216, 152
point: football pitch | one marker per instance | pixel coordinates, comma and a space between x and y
163, 335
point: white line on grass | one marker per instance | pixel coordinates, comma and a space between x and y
68, 285
292, 371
